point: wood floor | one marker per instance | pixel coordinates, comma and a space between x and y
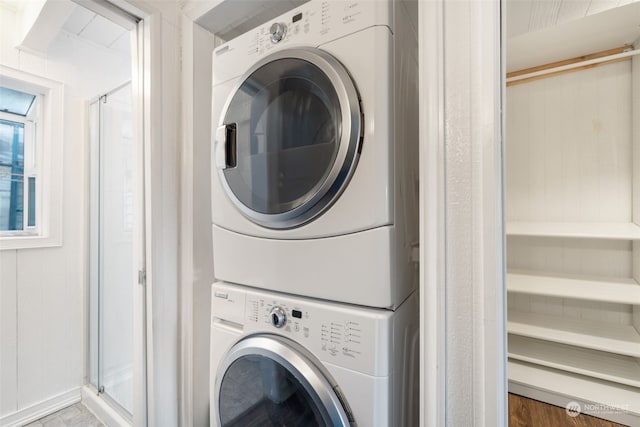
525, 412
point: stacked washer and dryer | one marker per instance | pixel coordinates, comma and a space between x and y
315, 219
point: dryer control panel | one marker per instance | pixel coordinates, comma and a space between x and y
312, 24
353, 337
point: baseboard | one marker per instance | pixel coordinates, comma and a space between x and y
41, 409
102, 410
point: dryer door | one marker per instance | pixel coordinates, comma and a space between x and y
268, 380
289, 137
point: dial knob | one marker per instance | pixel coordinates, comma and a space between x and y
277, 30
278, 317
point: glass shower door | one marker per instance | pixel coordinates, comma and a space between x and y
113, 274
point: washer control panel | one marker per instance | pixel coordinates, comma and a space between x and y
336, 334
353, 337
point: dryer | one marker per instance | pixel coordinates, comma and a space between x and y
314, 155
283, 360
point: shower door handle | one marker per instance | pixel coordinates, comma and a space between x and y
225, 147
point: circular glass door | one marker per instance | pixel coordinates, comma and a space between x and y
265, 382
289, 137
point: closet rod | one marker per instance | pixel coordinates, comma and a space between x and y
609, 58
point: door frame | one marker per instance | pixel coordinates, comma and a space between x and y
463, 354
156, 355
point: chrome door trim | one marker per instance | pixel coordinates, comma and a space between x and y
297, 361
325, 193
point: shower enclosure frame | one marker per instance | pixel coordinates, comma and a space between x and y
105, 142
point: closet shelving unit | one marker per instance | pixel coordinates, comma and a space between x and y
573, 286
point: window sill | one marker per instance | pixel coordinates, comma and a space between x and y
24, 241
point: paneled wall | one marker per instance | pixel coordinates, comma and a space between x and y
569, 156
569, 159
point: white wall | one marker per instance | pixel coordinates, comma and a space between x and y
162, 227
42, 290
197, 45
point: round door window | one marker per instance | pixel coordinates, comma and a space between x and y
268, 380
258, 391
289, 137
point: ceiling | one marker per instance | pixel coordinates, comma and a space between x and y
551, 36
538, 31
524, 16
87, 25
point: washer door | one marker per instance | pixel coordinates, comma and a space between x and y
268, 380
289, 137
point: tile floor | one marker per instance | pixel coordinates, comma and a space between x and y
72, 416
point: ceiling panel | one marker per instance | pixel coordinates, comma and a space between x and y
571, 10
518, 15
122, 44
544, 14
598, 6
80, 18
102, 31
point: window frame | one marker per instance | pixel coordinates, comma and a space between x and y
30, 167
45, 163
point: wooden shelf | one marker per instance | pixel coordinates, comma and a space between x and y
584, 230
621, 339
592, 363
560, 387
616, 290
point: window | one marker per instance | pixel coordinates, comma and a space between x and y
18, 166
30, 160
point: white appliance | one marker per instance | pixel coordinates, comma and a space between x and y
283, 360
314, 176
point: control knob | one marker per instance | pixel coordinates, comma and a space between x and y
278, 317
278, 31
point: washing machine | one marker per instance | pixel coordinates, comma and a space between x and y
314, 153
284, 360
